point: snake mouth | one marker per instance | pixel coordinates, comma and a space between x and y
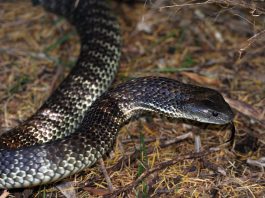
209, 115
225, 118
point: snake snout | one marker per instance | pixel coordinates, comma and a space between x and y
210, 111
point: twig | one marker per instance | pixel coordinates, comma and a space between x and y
67, 189
106, 175
58, 73
213, 167
197, 143
151, 183
4, 194
256, 10
163, 143
158, 167
20, 52
247, 109
258, 163
251, 41
147, 140
187, 4
166, 143
130, 158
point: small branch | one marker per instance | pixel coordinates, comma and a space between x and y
125, 160
166, 143
147, 140
247, 109
105, 173
197, 144
4, 194
130, 158
254, 6
187, 4
259, 37
67, 189
151, 182
158, 167
258, 163
209, 165
58, 73
256, 9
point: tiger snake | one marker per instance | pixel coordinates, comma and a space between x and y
79, 122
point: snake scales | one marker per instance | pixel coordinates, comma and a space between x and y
67, 134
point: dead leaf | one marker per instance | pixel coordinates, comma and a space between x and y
96, 191
204, 80
246, 109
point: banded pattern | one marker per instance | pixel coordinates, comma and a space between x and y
95, 70
40, 164
24, 162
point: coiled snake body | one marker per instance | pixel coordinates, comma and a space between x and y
82, 134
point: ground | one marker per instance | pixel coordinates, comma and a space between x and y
209, 44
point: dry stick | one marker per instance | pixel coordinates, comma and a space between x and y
163, 143
247, 109
146, 140
166, 143
240, 3
259, 37
160, 166
197, 143
159, 192
213, 167
104, 171
254, 6
187, 4
258, 163
67, 189
4, 194
59, 72
126, 159
151, 182
20, 52
204, 161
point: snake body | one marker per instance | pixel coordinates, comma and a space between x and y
94, 72
28, 157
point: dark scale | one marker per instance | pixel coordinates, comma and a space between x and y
36, 160
69, 89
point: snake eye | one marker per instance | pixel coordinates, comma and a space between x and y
214, 113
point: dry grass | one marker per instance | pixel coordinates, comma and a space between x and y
199, 44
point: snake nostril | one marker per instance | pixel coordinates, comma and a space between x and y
215, 114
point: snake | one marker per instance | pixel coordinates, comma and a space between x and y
78, 124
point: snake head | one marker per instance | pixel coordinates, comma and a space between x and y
209, 106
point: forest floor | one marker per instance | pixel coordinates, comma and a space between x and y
221, 46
